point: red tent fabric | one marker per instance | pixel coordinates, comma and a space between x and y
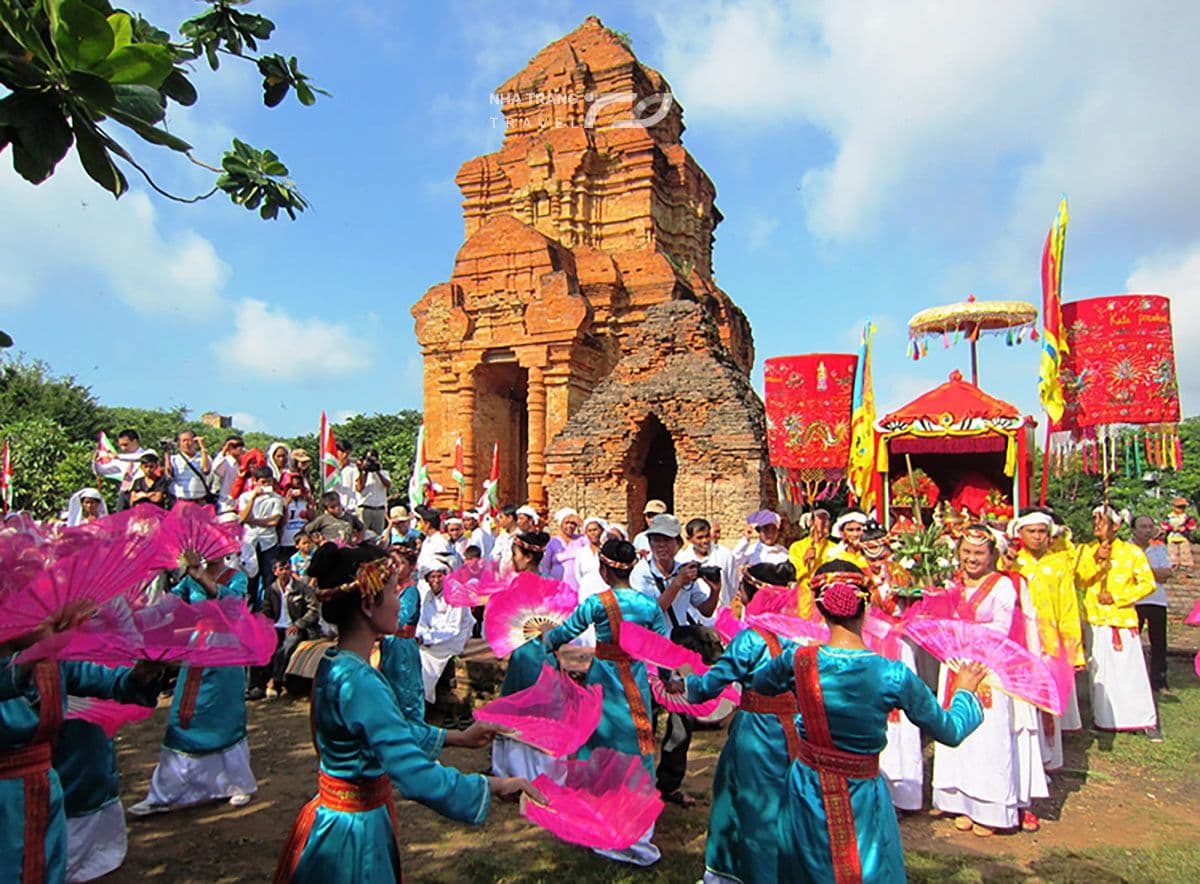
951, 406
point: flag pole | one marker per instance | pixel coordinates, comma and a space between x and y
1045, 464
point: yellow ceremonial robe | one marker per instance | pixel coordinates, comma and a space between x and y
1128, 578
798, 550
1052, 586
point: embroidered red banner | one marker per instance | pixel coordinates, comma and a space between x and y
809, 399
1120, 368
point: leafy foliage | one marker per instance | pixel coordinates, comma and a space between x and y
73, 66
48, 466
28, 390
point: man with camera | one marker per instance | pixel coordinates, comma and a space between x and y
677, 587
371, 484
716, 562
187, 469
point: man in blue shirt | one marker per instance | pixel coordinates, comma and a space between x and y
677, 587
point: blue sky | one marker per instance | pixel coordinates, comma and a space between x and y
870, 158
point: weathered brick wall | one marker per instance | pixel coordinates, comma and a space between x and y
1183, 589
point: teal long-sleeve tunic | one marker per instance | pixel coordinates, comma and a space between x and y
860, 689
751, 772
616, 729
400, 658
18, 722
362, 733
219, 719
86, 760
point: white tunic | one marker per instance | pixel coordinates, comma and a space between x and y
443, 631
1121, 696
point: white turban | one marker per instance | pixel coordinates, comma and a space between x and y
846, 519
564, 513
1034, 518
1111, 514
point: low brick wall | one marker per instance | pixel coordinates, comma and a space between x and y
1183, 589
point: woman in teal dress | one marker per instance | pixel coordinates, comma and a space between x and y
752, 771
205, 755
86, 760
625, 723
365, 743
33, 702
837, 822
399, 656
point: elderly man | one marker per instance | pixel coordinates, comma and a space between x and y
1152, 610
1115, 576
1051, 579
187, 469
760, 542
641, 540
442, 628
676, 586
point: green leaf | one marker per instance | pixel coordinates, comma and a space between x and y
17, 20
274, 91
96, 160
91, 90
141, 63
37, 129
151, 133
143, 102
83, 37
122, 27
305, 94
179, 88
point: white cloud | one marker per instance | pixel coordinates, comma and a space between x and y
247, 422
268, 342
68, 229
1178, 277
759, 233
925, 107
340, 417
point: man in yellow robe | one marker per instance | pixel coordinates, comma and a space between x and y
1051, 579
848, 531
1115, 575
808, 553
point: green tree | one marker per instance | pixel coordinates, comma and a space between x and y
29, 390
48, 466
83, 73
393, 435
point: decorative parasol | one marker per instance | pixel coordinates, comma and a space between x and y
970, 319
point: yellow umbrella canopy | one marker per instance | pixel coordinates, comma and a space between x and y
971, 318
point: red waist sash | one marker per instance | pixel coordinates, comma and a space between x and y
32, 766
839, 763
761, 704
611, 651
783, 707
344, 796
406, 632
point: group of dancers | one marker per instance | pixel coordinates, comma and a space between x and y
826, 744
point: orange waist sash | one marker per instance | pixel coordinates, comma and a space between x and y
31, 765
406, 632
838, 763
344, 796
612, 653
761, 704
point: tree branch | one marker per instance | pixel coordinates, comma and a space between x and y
116, 148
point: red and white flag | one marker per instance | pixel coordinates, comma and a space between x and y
490, 499
6, 476
457, 474
330, 468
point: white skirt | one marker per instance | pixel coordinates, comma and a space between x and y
432, 667
640, 853
1031, 770
1052, 747
512, 758
1121, 696
901, 761
1071, 721
181, 780
96, 843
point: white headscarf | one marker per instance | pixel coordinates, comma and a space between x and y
845, 519
75, 505
275, 471
1118, 518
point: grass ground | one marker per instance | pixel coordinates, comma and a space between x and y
1125, 810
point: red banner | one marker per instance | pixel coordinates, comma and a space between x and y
809, 399
1120, 368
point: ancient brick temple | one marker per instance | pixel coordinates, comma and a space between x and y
581, 328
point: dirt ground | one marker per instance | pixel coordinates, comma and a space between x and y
1117, 792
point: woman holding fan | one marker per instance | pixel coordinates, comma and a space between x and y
367, 746
837, 822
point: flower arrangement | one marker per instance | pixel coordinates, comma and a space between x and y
918, 487
928, 555
996, 507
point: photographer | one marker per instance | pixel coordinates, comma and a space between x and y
371, 486
716, 562
186, 470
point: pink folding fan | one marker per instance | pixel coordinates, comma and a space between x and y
728, 625
1193, 618
191, 534
472, 584
554, 714
728, 698
606, 802
110, 715
650, 647
527, 608
1014, 670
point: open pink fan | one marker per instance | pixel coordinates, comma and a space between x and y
774, 600
101, 570
1013, 669
191, 534
554, 714
606, 802
1193, 618
528, 607
472, 584
937, 605
110, 715
650, 647
1196, 663
728, 698
879, 633
727, 625
791, 626
216, 632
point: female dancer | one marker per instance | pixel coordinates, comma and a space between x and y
625, 723
205, 754
837, 822
399, 654
752, 770
365, 743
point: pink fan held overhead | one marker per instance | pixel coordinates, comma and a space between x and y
531, 605
191, 534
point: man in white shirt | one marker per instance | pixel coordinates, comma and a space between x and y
225, 472
761, 541
371, 484
477, 534
123, 468
187, 469
456, 535
506, 522
641, 541
260, 510
347, 479
435, 546
442, 629
707, 554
